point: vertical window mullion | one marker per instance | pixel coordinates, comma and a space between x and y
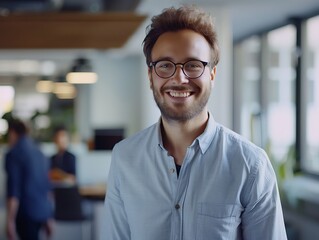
263, 87
298, 92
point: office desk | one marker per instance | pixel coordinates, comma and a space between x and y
93, 192
94, 195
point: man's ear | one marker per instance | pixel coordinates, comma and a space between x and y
213, 75
149, 73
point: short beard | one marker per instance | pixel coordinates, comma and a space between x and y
184, 115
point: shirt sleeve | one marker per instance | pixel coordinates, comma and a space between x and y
263, 215
117, 227
14, 175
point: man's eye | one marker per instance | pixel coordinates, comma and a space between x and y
193, 65
165, 65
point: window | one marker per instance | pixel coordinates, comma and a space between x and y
276, 101
310, 161
281, 111
247, 77
266, 102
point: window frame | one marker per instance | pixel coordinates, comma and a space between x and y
300, 85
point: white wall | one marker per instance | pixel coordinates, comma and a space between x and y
114, 100
150, 112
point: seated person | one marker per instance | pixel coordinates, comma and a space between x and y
63, 163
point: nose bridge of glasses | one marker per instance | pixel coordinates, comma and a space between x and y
181, 67
179, 64
179, 73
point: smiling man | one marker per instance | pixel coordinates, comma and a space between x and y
188, 177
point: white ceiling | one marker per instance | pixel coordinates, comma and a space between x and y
248, 16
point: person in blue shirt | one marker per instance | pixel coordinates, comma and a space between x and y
63, 163
29, 200
187, 177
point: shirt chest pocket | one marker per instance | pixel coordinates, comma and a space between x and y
218, 221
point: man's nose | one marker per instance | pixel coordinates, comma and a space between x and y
179, 75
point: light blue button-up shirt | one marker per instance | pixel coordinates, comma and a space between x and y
226, 190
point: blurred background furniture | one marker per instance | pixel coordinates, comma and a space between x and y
71, 210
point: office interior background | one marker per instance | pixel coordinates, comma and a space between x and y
266, 88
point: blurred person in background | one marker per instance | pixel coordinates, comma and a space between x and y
63, 163
29, 204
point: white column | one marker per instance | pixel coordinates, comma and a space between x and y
149, 110
82, 112
221, 101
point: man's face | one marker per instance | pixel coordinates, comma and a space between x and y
12, 138
61, 140
178, 97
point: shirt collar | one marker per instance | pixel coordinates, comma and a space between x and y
159, 134
207, 136
204, 140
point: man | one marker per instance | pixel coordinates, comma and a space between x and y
63, 163
29, 207
188, 177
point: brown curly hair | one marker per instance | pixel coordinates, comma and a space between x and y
186, 17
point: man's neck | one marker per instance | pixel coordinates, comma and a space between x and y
177, 136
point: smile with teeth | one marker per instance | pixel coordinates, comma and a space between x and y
178, 94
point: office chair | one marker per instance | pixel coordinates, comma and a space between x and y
69, 208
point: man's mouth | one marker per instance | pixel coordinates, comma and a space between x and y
179, 94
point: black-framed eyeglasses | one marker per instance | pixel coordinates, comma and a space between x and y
166, 68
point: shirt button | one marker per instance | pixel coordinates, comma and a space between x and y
171, 170
177, 206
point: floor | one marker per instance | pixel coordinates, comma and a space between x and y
68, 231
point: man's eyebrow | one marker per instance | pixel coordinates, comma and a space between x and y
163, 59
171, 59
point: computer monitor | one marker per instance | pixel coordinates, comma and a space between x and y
105, 139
